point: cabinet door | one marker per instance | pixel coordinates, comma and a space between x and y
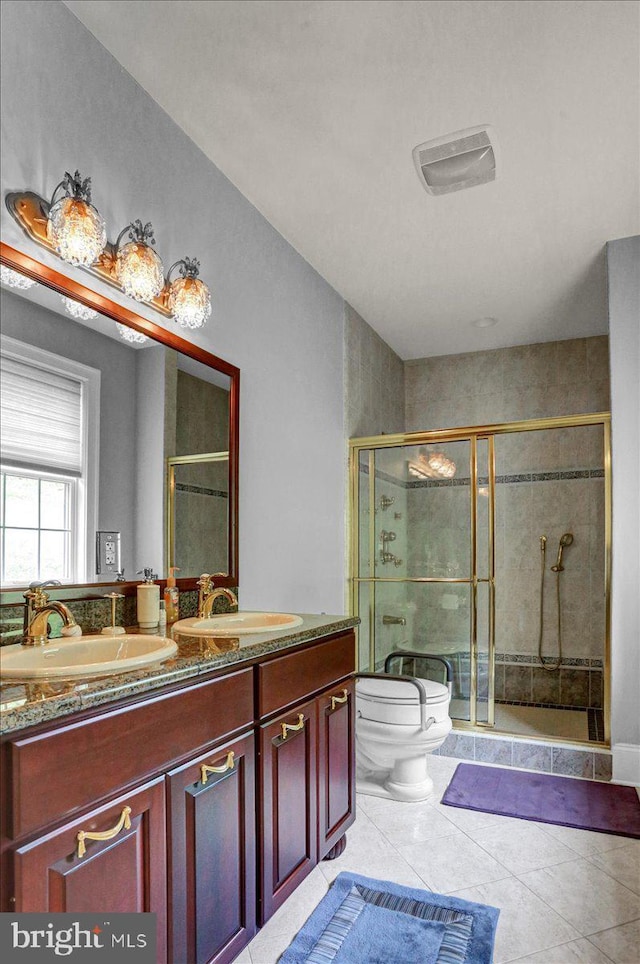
124, 873
212, 854
336, 765
289, 804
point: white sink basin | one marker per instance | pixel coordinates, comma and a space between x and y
84, 656
236, 624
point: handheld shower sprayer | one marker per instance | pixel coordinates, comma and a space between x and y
565, 540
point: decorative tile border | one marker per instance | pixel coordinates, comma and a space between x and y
200, 490
561, 475
531, 659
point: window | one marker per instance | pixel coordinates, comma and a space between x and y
48, 477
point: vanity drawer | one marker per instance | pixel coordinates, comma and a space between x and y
287, 679
57, 773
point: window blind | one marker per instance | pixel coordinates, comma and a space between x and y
41, 416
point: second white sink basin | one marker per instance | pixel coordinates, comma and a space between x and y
84, 656
236, 624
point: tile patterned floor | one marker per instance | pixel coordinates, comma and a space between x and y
566, 896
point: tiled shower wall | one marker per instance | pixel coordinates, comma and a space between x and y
374, 381
508, 384
548, 483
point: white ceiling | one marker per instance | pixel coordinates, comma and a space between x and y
312, 108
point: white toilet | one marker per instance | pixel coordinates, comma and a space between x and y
398, 722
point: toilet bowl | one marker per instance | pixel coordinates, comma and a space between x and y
394, 734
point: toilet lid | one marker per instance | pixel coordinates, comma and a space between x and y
386, 689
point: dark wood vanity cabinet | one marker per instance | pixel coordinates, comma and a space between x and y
170, 784
212, 858
336, 765
307, 789
288, 794
307, 763
125, 872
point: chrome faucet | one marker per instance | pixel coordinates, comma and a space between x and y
37, 612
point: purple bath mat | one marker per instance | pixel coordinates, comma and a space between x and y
583, 804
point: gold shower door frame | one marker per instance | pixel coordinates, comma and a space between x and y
471, 434
172, 463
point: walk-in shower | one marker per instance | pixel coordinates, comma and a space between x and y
446, 554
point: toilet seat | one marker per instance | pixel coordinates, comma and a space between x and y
387, 700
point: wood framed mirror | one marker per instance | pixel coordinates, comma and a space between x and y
157, 468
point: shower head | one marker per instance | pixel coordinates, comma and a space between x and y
565, 540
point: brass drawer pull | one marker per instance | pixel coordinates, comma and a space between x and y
339, 699
124, 823
229, 764
292, 726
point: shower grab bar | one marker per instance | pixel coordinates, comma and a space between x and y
412, 654
424, 722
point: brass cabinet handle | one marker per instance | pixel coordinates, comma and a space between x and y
229, 764
292, 726
339, 699
124, 823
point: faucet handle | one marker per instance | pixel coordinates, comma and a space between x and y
205, 582
36, 596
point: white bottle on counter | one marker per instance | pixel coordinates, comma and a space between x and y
148, 601
162, 619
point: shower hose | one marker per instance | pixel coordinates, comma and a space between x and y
550, 667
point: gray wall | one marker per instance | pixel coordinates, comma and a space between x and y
623, 260
67, 103
34, 324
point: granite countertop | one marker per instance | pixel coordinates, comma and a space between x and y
24, 704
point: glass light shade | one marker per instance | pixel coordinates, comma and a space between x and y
189, 302
78, 310
14, 279
76, 230
130, 334
139, 270
443, 466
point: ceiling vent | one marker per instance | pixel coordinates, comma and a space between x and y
456, 161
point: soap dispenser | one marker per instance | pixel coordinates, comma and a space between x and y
148, 600
171, 596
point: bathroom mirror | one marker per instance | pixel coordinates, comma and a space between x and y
112, 425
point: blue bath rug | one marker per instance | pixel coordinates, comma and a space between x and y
364, 921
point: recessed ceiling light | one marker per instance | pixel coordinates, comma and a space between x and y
485, 322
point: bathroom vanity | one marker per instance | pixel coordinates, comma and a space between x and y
203, 790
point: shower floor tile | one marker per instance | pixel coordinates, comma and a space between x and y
541, 721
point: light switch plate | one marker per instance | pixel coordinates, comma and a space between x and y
107, 552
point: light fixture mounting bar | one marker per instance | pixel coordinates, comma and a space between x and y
31, 212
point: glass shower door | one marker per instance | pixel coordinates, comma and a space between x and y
419, 532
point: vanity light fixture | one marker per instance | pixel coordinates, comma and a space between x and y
130, 334
77, 310
189, 298
139, 268
13, 279
75, 228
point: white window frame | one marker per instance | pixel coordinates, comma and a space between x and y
87, 488
43, 474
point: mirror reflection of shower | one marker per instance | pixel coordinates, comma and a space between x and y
566, 539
